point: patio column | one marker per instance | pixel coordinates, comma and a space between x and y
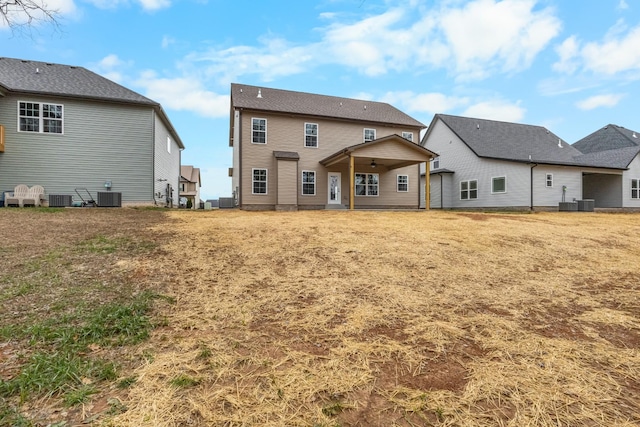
352, 181
427, 187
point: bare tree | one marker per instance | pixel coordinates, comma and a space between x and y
23, 15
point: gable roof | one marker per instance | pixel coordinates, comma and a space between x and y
308, 104
34, 77
190, 174
610, 137
509, 141
530, 144
21, 76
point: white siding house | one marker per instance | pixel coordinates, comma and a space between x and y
490, 164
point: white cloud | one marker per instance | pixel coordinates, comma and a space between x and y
622, 5
472, 41
424, 102
167, 41
568, 52
184, 93
149, 5
618, 52
496, 110
63, 8
154, 4
487, 35
608, 100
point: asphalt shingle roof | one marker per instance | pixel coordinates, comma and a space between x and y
17, 75
285, 101
510, 141
611, 147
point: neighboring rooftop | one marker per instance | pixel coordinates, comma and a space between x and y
285, 101
611, 147
190, 174
18, 75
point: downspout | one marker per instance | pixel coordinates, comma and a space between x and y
533, 165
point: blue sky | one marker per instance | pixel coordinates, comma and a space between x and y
572, 66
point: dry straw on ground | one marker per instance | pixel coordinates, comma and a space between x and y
396, 318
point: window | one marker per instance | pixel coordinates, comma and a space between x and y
259, 181
549, 180
169, 145
499, 184
408, 135
366, 184
402, 183
435, 163
310, 134
469, 190
309, 183
369, 134
182, 187
635, 188
39, 117
259, 131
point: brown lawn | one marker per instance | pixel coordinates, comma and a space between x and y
357, 318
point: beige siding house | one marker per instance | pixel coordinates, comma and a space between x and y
294, 150
190, 186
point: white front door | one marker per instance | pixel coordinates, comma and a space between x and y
334, 188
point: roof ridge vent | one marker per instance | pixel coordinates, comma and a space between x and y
259, 93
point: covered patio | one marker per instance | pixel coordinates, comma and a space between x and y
384, 155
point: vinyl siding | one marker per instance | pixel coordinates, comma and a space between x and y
632, 173
101, 142
166, 165
544, 196
286, 133
287, 178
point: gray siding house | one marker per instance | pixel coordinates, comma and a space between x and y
296, 150
492, 164
66, 127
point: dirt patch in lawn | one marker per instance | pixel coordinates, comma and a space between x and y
374, 318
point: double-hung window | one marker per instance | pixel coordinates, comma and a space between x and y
259, 131
408, 135
40, 117
499, 184
311, 135
549, 180
309, 183
402, 185
635, 188
435, 163
469, 189
369, 134
367, 184
259, 181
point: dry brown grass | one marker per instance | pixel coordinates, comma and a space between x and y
390, 319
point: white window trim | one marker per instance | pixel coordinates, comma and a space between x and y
169, 144
637, 188
410, 135
547, 180
315, 182
317, 135
265, 130
398, 183
505, 184
366, 185
364, 134
266, 181
435, 163
40, 118
469, 181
